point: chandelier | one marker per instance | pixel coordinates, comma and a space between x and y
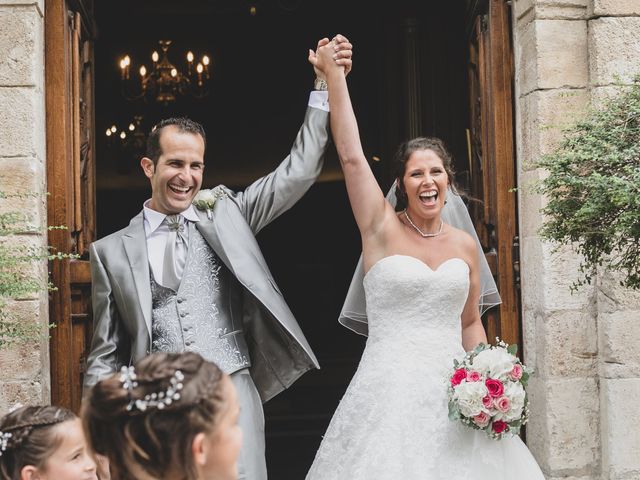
130, 137
163, 82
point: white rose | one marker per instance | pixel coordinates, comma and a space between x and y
494, 362
469, 396
516, 394
206, 197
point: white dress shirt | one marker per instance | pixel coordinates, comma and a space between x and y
157, 232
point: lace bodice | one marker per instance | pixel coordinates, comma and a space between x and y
403, 293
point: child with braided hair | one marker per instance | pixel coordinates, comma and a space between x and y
172, 416
44, 443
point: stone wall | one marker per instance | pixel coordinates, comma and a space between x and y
24, 370
586, 416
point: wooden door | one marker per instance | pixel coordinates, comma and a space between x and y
492, 158
71, 202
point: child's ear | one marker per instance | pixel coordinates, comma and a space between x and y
198, 449
29, 472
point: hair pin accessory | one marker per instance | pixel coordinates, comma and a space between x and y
4, 441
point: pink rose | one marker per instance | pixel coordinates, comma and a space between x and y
473, 376
487, 402
502, 404
495, 387
499, 426
482, 419
458, 376
516, 372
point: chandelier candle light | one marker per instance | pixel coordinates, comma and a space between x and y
164, 82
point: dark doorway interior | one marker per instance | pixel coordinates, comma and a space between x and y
259, 91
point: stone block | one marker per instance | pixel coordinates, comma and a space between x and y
606, 8
621, 427
21, 114
531, 204
619, 333
551, 54
614, 49
542, 117
563, 432
25, 360
612, 297
523, 12
36, 269
531, 278
525, 58
562, 54
38, 5
21, 47
527, 10
568, 344
23, 180
548, 272
565, 10
529, 338
26, 393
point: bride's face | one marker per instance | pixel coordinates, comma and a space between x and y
425, 182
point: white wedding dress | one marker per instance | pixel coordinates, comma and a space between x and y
392, 422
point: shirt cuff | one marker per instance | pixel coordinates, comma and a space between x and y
319, 99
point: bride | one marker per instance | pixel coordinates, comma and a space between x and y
422, 289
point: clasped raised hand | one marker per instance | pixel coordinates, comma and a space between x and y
334, 53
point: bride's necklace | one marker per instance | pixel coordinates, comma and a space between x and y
424, 235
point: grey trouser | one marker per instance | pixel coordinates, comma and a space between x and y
251, 462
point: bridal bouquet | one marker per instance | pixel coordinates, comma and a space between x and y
487, 390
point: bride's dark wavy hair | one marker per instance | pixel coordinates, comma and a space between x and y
154, 443
408, 148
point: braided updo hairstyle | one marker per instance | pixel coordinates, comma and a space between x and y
406, 149
33, 438
154, 443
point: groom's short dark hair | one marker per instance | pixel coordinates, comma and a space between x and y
183, 124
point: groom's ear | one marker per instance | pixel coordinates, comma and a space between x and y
148, 167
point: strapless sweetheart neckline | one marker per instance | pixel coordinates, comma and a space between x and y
448, 260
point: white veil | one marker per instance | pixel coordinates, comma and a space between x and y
354, 311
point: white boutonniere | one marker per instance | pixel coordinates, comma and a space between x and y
206, 199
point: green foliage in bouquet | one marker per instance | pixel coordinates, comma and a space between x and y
593, 189
19, 277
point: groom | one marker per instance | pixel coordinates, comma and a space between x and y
181, 278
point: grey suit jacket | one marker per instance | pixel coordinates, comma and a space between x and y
121, 292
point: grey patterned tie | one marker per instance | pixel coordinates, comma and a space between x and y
174, 252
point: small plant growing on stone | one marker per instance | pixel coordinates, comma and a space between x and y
593, 189
19, 278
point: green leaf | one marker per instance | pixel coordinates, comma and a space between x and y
513, 349
454, 413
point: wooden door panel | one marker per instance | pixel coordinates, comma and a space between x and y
492, 162
70, 177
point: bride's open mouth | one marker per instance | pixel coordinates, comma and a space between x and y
428, 197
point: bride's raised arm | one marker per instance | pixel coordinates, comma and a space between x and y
367, 200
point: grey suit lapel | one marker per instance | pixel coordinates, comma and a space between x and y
208, 229
135, 244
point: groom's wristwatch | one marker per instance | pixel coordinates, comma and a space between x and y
320, 84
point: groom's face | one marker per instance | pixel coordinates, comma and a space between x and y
177, 175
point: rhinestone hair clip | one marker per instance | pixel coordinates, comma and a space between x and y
158, 400
4, 440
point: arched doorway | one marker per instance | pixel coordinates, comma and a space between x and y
411, 77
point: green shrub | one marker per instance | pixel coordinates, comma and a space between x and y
593, 188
